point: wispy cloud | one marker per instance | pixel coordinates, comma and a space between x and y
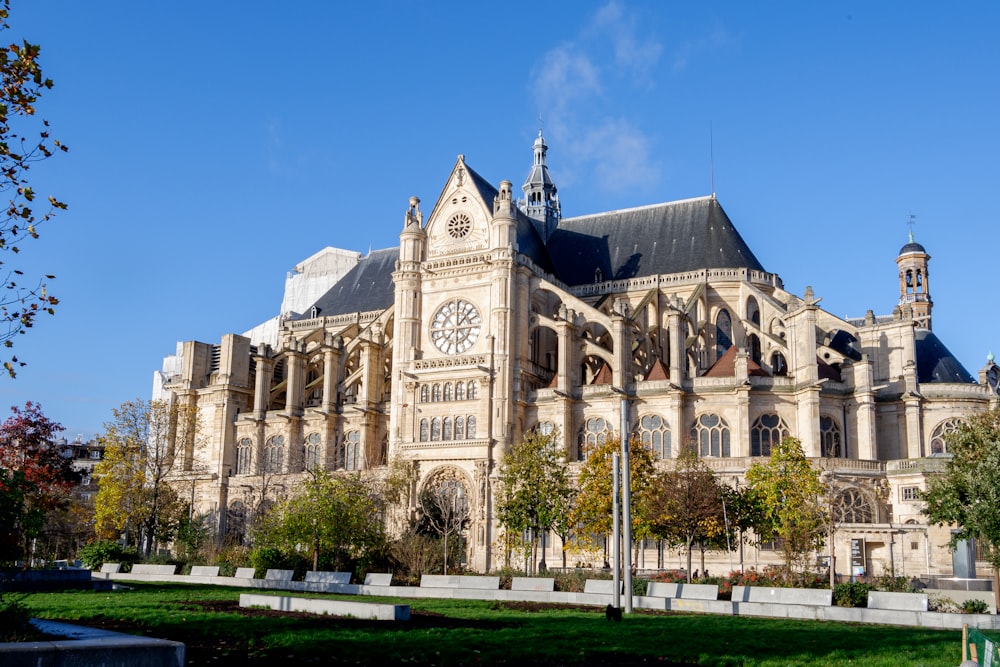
581, 88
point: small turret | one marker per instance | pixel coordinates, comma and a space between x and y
914, 287
541, 199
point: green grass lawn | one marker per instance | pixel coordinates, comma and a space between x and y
464, 632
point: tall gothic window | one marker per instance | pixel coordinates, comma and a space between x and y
594, 433
939, 438
723, 332
655, 435
449, 391
460, 425
436, 393
425, 394
274, 453
778, 364
851, 506
459, 391
470, 427
244, 457
712, 435
472, 390
352, 450
313, 451
766, 432
435, 429
446, 432
425, 430
830, 441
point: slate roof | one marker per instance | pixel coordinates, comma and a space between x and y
664, 238
912, 246
366, 287
935, 363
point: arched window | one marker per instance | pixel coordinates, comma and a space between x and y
446, 433
939, 438
470, 427
244, 457
274, 453
449, 391
352, 450
472, 390
312, 452
460, 425
909, 282
753, 342
712, 435
920, 280
425, 394
766, 432
655, 435
594, 433
779, 367
425, 430
753, 311
459, 391
831, 444
435, 429
723, 332
436, 393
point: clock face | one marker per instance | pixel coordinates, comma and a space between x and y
455, 327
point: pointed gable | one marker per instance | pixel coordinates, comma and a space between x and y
658, 371
603, 375
725, 367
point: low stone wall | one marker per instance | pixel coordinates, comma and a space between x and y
367, 610
539, 584
802, 596
328, 577
151, 568
459, 581
87, 646
902, 601
660, 589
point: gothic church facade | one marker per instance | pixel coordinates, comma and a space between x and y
495, 315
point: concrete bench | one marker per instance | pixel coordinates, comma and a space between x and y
317, 577
204, 570
378, 579
279, 575
111, 568
367, 610
150, 568
819, 597
897, 601
245, 572
541, 584
599, 586
459, 581
684, 591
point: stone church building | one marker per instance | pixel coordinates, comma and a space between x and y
495, 315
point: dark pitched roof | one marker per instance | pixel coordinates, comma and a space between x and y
368, 286
935, 363
665, 238
725, 367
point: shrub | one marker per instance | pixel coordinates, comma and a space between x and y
15, 618
974, 606
231, 557
575, 580
96, 554
891, 584
942, 604
263, 559
852, 594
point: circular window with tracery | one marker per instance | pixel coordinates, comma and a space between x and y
459, 226
455, 327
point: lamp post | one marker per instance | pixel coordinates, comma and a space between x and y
626, 496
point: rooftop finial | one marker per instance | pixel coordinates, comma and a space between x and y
912, 221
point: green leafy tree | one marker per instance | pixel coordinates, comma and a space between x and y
22, 144
444, 510
336, 517
145, 443
792, 495
592, 511
535, 492
744, 515
967, 494
35, 480
684, 504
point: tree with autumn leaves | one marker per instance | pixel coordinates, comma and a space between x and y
592, 513
35, 480
21, 146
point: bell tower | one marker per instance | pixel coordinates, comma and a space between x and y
914, 285
541, 200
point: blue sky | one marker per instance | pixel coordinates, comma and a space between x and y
213, 145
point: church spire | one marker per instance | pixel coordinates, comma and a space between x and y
541, 200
